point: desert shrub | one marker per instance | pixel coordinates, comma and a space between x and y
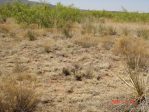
46, 16
16, 97
42, 15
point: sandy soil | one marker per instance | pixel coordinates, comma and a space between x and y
70, 78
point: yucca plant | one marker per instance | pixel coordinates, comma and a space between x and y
136, 57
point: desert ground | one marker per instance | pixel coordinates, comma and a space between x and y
76, 74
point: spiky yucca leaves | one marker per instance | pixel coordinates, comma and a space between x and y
138, 83
136, 55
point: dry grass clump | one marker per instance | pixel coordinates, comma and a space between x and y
143, 33
86, 41
135, 51
17, 97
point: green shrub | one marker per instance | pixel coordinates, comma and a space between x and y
40, 14
46, 16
